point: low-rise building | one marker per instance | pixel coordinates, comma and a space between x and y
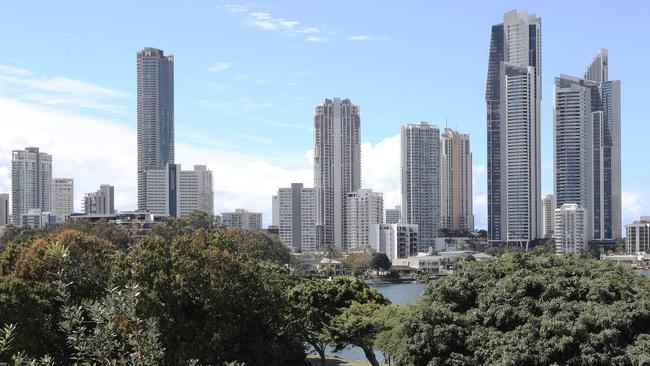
430, 264
634, 260
36, 218
329, 266
451, 243
138, 223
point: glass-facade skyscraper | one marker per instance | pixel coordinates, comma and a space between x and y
155, 115
587, 128
513, 96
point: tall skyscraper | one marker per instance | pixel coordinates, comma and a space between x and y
513, 96
456, 181
31, 182
364, 208
155, 115
4, 209
420, 180
587, 124
337, 165
296, 217
62, 197
100, 202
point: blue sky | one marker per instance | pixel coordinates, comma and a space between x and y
248, 75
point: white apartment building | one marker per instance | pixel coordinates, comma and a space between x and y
177, 193
456, 210
420, 180
62, 197
394, 240
364, 208
242, 219
570, 229
393, 215
196, 191
295, 211
337, 165
637, 236
31, 182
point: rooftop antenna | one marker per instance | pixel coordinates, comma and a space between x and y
445, 121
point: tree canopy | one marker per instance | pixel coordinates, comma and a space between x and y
380, 261
527, 310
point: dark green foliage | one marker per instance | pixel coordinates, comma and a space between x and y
380, 262
212, 304
217, 294
316, 302
527, 310
29, 307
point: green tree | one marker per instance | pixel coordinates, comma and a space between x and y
317, 301
380, 262
357, 263
528, 310
213, 304
88, 267
357, 325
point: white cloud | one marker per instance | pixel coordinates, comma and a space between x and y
315, 39
235, 9
364, 37
91, 150
94, 151
266, 22
10, 70
260, 15
361, 37
220, 66
635, 203
381, 168
480, 210
26, 86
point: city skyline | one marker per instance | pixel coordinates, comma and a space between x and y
378, 141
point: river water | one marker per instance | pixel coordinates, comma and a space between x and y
403, 293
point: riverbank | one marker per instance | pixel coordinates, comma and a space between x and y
336, 361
